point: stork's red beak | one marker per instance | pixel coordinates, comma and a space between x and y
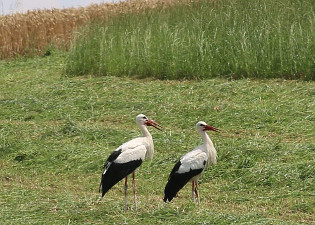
208, 127
153, 124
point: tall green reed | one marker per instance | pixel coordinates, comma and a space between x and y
203, 39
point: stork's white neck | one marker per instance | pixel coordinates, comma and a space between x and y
145, 131
148, 136
206, 139
209, 148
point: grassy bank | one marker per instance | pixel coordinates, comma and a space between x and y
56, 133
203, 39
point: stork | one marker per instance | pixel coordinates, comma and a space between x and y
128, 157
191, 165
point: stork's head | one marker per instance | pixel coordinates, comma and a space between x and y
143, 120
202, 127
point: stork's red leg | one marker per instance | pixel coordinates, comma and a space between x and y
193, 191
196, 191
134, 189
126, 188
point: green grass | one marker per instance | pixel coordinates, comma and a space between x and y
203, 39
56, 133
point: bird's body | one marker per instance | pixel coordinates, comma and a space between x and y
128, 157
124, 160
191, 165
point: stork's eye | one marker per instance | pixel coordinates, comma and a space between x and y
144, 117
202, 125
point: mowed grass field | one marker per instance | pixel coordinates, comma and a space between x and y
56, 132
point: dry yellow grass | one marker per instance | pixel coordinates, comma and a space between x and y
34, 31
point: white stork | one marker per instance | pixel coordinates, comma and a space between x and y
128, 157
191, 165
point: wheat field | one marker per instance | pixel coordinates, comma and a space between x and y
33, 32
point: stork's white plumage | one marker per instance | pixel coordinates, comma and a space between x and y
191, 165
128, 157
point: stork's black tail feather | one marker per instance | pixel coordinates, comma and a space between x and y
108, 182
177, 181
174, 184
116, 172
